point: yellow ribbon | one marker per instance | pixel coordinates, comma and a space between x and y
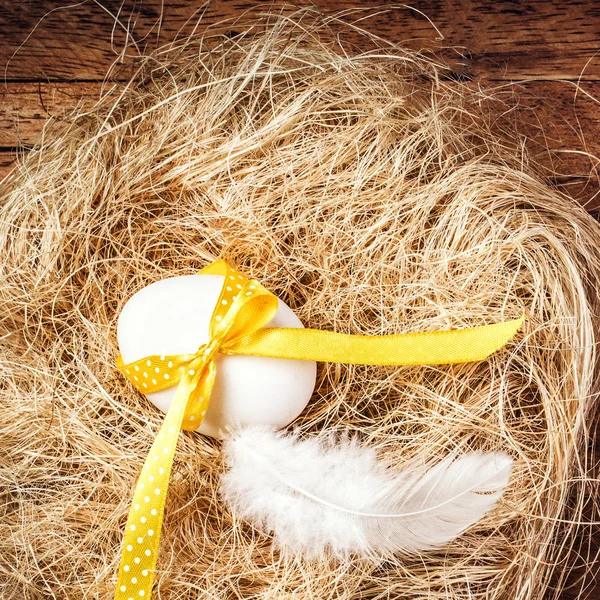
237, 326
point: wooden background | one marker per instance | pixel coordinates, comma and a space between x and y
54, 54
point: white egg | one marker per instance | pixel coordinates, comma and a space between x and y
172, 317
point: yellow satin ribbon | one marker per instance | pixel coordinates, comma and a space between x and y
237, 326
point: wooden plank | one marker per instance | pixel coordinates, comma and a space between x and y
502, 40
560, 119
25, 107
559, 116
7, 161
541, 40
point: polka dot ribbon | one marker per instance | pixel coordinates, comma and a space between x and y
244, 306
237, 326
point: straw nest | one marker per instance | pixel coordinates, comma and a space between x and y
373, 196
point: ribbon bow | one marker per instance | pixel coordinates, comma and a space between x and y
244, 307
237, 326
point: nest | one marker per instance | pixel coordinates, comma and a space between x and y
373, 195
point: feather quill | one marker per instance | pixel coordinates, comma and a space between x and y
322, 495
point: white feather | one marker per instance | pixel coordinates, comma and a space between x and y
321, 495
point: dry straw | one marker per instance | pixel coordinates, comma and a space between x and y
373, 196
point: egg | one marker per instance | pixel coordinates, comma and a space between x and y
172, 316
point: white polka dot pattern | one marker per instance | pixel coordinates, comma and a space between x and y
243, 307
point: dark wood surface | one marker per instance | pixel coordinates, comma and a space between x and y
55, 54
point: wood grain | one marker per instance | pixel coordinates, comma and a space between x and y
503, 40
26, 106
53, 55
559, 117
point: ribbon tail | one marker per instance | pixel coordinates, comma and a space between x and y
421, 348
199, 397
142, 536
